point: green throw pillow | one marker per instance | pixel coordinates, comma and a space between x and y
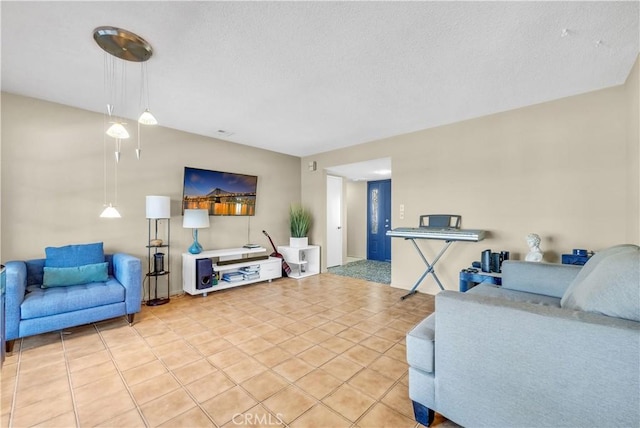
62, 277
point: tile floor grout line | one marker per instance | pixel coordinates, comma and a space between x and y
15, 385
69, 379
182, 386
239, 384
379, 401
291, 310
126, 385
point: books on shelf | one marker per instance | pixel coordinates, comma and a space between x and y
233, 276
253, 275
241, 275
251, 268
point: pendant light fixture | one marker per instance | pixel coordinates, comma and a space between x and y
110, 211
122, 47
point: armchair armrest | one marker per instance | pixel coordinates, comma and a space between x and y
16, 285
521, 359
128, 271
540, 278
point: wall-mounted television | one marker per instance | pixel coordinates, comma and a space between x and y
220, 193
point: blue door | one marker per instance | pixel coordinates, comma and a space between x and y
378, 220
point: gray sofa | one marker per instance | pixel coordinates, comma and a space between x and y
556, 345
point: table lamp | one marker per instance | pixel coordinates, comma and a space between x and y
195, 219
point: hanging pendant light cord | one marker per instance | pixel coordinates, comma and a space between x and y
115, 177
104, 156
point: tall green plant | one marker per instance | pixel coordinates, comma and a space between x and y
300, 221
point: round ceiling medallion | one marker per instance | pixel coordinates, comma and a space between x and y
122, 44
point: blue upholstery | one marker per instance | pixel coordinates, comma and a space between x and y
42, 302
74, 255
31, 309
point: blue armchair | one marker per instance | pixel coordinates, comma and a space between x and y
31, 309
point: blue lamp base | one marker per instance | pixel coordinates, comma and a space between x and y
195, 248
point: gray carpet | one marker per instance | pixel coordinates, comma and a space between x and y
370, 270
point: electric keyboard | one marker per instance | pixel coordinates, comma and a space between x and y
445, 233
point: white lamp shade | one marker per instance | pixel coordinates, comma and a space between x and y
110, 212
117, 130
158, 207
195, 219
146, 118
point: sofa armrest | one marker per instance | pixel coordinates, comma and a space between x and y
550, 279
128, 271
521, 360
16, 286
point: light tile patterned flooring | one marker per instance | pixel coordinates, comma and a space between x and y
325, 351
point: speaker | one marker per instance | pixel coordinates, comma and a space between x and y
204, 274
496, 262
485, 263
158, 262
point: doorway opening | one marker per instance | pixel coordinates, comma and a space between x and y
355, 208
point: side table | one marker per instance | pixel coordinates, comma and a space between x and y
471, 277
303, 261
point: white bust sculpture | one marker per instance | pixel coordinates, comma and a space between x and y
534, 255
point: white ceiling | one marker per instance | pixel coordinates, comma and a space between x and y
308, 77
375, 169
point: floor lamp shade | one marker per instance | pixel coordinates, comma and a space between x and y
158, 207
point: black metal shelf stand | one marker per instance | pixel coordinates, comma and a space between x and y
156, 268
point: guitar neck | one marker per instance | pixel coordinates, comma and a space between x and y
272, 244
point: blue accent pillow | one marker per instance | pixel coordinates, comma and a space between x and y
74, 255
62, 277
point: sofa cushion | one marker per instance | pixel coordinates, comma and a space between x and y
611, 288
420, 344
74, 255
496, 291
62, 277
595, 261
42, 302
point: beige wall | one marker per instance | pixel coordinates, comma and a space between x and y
52, 184
632, 88
560, 169
567, 170
357, 219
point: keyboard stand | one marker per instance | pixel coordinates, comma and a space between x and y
444, 234
430, 267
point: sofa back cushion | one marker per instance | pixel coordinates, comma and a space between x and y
74, 255
611, 286
597, 258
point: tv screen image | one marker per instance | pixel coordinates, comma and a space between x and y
220, 193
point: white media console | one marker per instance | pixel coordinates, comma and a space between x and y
228, 261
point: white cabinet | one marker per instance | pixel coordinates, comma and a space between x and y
245, 265
303, 261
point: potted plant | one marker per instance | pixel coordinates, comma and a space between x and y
299, 222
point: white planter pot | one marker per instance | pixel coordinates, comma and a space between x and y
298, 242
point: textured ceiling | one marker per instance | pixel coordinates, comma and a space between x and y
307, 77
